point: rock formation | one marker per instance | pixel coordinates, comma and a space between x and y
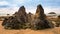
40, 13
22, 15
17, 20
40, 21
22, 20
30, 17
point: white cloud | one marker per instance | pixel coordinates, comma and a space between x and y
3, 3
8, 4
8, 10
33, 10
21, 1
56, 10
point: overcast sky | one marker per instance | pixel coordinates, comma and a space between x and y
11, 6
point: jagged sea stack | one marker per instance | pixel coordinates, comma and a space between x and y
40, 21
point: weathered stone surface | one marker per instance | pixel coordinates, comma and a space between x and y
16, 21
30, 17
22, 15
40, 13
40, 21
22, 20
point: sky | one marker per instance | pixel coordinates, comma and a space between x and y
11, 6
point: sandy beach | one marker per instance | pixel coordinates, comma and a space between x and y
55, 30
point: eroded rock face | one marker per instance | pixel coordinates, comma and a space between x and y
40, 21
40, 13
30, 17
17, 21
22, 20
22, 15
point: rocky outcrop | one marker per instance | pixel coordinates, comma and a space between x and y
40, 21
22, 15
30, 17
16, 21
40, 13
22, 20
